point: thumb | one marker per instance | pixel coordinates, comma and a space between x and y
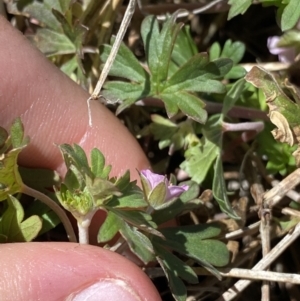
66, 271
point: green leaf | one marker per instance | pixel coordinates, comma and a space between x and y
193, 242
17, 134
198, 75
181, 137
159, 45
98, 164
199, 160
138, 243
184, 47
219, 190
51, 42
13, 226
189, 104
287, 223
125, 65
132, 197
75, 156
163, 130
238, 7
279, 155
58, 35
41, 11
215, 51
134, 217
124, 90
176, 285
150, 36
75, 32
192, 193
232, 96
233, 50
179, 268
101, 190
48, 217
70, 67
10, 179
290, 15
168, 213
109, 228
236, 72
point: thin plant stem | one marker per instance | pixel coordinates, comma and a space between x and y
83, 224
195, 11
113, 53
55, 207
257, 126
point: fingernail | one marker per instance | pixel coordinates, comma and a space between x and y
106, 289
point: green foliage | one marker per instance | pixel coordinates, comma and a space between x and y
128, 213
174, 85
194, 242
289, 14
42, 180
10, 179
232, 50
185, 81
58, 34
200, 158
85, 188
238, 7
12, 225
288, 11
278, 154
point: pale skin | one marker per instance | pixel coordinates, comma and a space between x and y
53, 110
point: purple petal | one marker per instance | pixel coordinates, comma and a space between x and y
272, 45
285, 55
153, 178
174, 191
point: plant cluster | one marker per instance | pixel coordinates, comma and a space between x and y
203, 106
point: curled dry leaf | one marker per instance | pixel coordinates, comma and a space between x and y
283, 132
283, 112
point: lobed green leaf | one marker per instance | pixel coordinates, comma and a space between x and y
125, 65
12, 225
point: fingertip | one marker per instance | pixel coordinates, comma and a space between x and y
54, 110
66, 271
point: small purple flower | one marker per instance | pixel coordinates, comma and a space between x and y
285, 54
158, 189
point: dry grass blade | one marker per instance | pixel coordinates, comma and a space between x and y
263, 264
123, 27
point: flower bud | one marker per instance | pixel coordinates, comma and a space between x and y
158, 190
